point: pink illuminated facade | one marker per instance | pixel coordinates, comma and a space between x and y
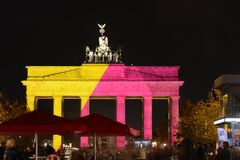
147, 82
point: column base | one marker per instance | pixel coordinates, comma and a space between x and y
57, 141
84, 141
120, 142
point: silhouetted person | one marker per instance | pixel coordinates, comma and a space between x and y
184, 150
224, 154
200, 155
49, 150
12, 152
110, 156
1, 151
77, 155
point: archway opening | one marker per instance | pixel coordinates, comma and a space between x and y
45, 105
134, 113
105, 107
160, 120
71, 110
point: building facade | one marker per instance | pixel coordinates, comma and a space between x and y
104, 76
229, 114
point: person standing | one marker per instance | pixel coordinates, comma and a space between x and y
12, 152
1, 151
200, 153
224, 153
48, 150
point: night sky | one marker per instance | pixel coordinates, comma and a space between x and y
201, 36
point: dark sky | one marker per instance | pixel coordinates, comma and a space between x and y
201, 36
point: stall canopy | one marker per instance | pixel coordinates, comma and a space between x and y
98, 125
104, 126
40, 122
36, 122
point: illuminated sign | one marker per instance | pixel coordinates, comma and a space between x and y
225, 120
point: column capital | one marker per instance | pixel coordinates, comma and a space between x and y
57, 97
84, 96
31, 96
84, 99
120, 97
31, 102
147, 97
175, 97
150, 96
57, 100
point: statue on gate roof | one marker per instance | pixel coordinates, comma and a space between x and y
102, 53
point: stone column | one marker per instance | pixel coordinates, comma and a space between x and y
147, 130
31, 103
174, 117
84, 112
120, 117
57, 110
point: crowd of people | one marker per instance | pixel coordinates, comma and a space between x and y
225, 152
10, 151
189, 151
183, 151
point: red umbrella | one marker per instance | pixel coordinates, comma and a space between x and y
39, 122
100, 125
104, 126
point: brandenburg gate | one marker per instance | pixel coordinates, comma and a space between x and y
104, 75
